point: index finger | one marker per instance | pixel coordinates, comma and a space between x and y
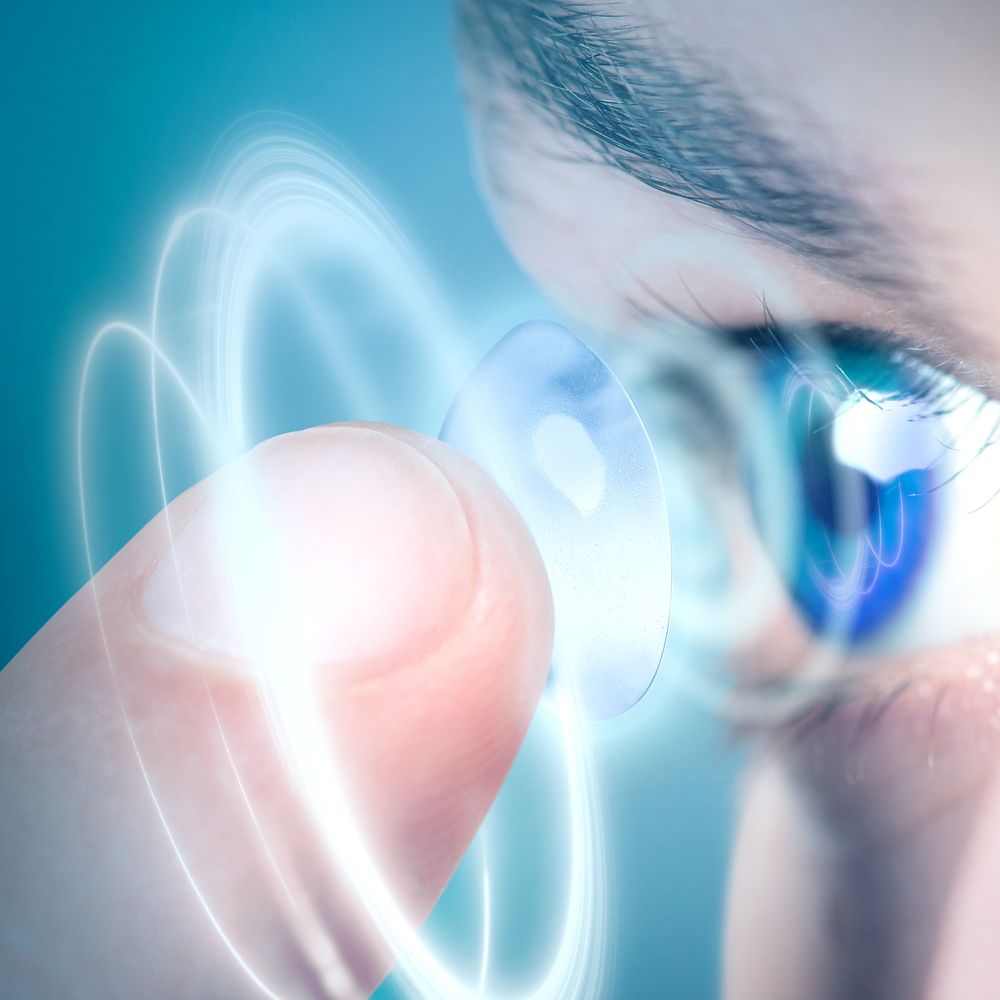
160, 873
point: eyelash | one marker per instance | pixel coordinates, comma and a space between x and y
905, 373
700, 410
815, 708
886, 358
811, 716
880, 362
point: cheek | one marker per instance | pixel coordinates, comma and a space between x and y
837, 884
773, 945
965, 962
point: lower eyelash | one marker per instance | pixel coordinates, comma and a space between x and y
799, 728
805, 721
808, 725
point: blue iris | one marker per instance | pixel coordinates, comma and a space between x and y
861, 559
862, 542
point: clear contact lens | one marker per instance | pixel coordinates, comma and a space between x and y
551, 423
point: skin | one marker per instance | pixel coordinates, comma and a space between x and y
904, 113
423, 717
885, 885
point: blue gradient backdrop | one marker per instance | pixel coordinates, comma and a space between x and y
109, 114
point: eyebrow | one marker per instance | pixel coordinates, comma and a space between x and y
665, 121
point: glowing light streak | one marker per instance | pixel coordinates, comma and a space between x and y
275, 187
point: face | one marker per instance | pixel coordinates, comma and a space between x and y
786, 216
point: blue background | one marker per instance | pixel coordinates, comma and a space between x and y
109, 114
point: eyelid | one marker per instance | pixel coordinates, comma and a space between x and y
747, 448
792, 338
866, 746
948, 349
949, 369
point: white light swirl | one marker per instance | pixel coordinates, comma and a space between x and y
280, 203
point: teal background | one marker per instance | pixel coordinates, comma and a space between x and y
109, 114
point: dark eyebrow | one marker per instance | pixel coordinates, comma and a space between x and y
662, 119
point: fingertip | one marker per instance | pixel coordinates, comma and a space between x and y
344, 546
420, 615
423, 607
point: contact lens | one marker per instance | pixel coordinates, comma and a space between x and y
558, 432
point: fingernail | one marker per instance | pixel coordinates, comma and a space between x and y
342, 545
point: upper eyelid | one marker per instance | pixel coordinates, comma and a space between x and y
818, 337
900, 371
927, 353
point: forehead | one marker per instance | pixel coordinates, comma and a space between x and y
890, 102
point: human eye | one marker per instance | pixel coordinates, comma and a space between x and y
863, 468
833, 499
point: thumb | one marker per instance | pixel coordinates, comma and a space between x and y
157, 822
